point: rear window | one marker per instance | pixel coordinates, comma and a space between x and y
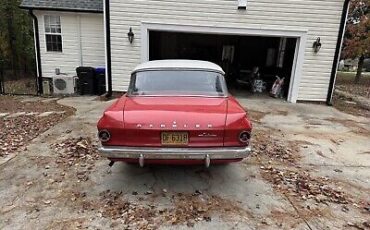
177, 83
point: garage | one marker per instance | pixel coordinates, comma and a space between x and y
251, 63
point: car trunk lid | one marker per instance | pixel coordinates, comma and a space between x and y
147, 118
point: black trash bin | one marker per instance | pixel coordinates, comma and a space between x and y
100, 81
86, 80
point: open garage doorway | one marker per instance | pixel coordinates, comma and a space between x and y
243, 58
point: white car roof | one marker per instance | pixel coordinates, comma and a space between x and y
178, 64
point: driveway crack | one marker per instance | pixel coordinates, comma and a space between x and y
297, 211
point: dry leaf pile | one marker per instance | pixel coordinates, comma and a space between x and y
80, 153
132, 215
279, 166
74, 151
301, 184
17, 132
199, 207
277, 150
187, 209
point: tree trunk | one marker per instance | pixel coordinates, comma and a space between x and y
359, 69
10, 37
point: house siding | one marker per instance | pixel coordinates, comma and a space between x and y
93, 46
319, 18
83, 43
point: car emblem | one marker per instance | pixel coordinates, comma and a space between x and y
207, 135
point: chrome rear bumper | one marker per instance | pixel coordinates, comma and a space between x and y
206, 154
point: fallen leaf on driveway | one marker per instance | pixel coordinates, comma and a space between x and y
47, 202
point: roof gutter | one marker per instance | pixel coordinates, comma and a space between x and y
108, 48
62, 9
38, 54
338, 50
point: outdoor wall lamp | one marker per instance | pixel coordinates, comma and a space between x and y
130, 35
317, 45
242, 4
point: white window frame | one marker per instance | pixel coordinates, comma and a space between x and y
48, 27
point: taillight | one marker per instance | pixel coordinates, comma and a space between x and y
104, 135
244, 137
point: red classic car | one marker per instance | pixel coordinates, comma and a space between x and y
175, 112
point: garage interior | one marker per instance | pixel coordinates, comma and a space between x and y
237, 55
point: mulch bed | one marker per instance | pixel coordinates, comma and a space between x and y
13, 104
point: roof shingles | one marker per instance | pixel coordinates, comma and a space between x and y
78, 5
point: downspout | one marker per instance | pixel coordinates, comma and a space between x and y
108, 48
38, 54
338, 50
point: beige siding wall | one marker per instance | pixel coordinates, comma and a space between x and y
92, 36
319, 18
83, 42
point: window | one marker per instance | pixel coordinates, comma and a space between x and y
53, 34
177, 83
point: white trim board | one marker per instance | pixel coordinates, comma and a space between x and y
300, 34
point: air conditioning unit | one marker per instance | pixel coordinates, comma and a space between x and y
64, 84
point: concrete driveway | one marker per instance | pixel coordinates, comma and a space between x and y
39, 191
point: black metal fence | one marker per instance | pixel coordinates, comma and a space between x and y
16, 81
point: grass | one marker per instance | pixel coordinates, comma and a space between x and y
345, 82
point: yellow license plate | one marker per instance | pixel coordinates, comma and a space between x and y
174, 138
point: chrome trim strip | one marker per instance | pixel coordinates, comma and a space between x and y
166, 68
175, 153
179, 95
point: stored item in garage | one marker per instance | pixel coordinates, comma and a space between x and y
277, 88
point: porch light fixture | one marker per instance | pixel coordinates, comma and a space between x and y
130, 35
317, 45
242, 4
